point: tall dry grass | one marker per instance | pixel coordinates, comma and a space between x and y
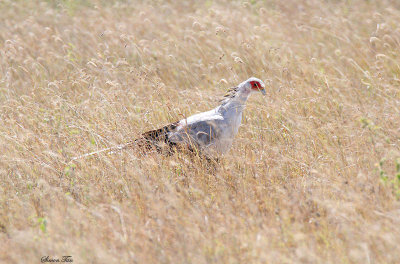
314, 176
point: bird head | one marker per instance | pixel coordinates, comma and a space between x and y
253, 85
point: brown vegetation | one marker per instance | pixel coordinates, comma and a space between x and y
313, 177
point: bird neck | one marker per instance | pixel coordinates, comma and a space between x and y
235, 103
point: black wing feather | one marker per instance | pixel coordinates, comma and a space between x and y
153, 139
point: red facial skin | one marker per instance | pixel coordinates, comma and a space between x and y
255, 85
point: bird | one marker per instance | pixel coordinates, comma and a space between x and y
209, 133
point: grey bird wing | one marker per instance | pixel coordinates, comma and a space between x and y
200, 133
195, 132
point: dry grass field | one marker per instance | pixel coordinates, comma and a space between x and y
314, 176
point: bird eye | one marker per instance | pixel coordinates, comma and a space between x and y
255, 85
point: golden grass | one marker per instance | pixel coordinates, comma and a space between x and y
313, 177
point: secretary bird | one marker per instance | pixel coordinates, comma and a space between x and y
210, 133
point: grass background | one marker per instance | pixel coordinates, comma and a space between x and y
314, 176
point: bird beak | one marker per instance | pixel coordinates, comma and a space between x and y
263, 91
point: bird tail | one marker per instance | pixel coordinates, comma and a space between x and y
148, 142
110, 150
